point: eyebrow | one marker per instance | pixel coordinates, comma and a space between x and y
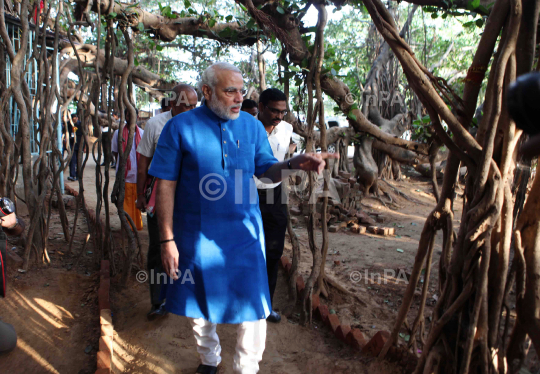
234, 88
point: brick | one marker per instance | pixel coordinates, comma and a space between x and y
104, 360
323, 312
284, 261
315, 302
362, 230
333, 228
300, 284
373, 229
107, 330
356, 339
342, 331
103, 371
391, 231
105, 317
333, 322
381, 219
105, 268
103, 298
384, 231
106, 343
365, 219
355, 228
343, 224
376, 344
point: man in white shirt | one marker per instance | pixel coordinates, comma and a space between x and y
272, 109
184, 98
130, 190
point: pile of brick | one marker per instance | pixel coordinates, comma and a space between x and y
351, 335
346, 213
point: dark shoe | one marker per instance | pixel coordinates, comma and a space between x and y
274, 317
113, 164
157, 312
206, 369
73, 179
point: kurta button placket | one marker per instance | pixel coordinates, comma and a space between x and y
223, 150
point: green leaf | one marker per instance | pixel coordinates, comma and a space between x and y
434, 15
140, 26
112, 15
351, 116
480, 22
229, 18
136, 62
280, 10
426, 119
295, 108
159, 48
187, 3
212, 22
475, 4
294, 68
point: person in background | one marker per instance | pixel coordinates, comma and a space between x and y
165, 104
272, 109
12, 226
106, 142
250, 106
184, 98
130, 195
75, 138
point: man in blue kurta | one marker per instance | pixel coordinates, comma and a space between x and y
212, 238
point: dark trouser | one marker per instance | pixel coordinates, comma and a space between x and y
8, 337
154, 260
73, 164
106, 141
274, 216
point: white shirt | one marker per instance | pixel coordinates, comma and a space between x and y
279, 140
132, 174
152, 131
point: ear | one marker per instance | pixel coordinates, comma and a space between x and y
207, 92
261, 107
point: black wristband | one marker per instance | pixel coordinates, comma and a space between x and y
289, 164
166, 241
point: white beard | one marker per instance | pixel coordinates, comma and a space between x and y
223, 111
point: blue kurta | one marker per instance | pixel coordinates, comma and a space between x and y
217, 222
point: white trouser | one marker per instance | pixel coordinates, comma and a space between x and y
250, 344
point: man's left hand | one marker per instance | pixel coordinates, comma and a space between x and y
312, 161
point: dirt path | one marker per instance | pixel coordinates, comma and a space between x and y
55, 311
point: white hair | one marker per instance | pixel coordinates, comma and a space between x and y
208, 76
